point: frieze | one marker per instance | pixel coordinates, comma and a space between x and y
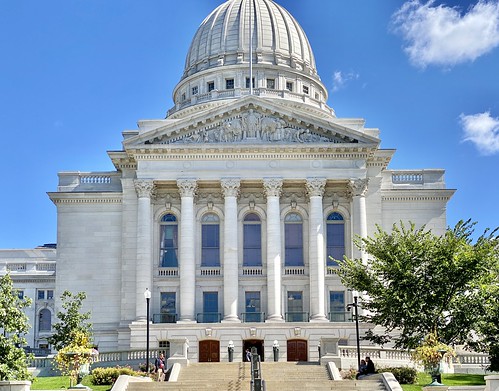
252, 126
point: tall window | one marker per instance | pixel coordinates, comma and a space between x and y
210, 232
169, 241
253, 310
248, 83
45, 320
271, 83
295, 307
337, 306
293, 240
210, 307
335, 238
168, 307
252, 240
211, 86
229, 84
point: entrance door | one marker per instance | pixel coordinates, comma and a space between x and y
209, 351
297, 350
250, 343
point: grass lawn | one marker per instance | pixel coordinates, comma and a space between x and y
62, 382
448, 379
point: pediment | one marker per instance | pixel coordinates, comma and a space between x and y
249, 121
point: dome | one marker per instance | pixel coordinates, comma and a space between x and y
217, 65
223, 38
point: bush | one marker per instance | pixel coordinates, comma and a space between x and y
404, 375
107, 376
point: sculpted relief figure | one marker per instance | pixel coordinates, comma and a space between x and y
251, 122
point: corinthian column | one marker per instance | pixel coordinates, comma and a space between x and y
272, 189
358, 189
143, 271
187, 267
315, 189
230, 189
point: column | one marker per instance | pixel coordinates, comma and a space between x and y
358, 189
143, 270
272, 189
230, 188
187, 261
315, 189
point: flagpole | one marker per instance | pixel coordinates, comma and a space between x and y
251, 47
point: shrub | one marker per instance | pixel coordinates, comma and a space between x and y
404, 375
107, 376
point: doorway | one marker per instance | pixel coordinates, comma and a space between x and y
209, 351
297, 350
250, 343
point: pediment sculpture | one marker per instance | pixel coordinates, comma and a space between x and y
251, 127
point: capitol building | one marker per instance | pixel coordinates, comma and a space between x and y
230, 211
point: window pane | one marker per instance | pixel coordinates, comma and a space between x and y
295, 302
45, 320
210, 301
168, 303
50, 294
41, 295
252, 301
293, 245
169, 246
337, 301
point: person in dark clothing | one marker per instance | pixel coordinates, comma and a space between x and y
369, 366
159, 365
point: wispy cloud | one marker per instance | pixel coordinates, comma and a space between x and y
482, 130
340, 79
443, 36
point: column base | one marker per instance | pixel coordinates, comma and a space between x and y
318, 319
274, 319
231, 319
185, 321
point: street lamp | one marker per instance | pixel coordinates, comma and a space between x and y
147, 296
355, 305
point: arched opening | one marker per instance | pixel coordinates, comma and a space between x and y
250, 343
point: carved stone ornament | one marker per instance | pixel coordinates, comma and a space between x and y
143, 187
253, 127
358, 187
230, 187
187, 187
272, 187
316, 186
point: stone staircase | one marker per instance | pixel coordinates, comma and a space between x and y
281, 376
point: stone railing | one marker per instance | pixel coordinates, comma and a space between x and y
89, 181
29, 267
425, 179
252, 271
168, 272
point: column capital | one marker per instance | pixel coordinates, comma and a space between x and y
358, 187
187, 187
272, 187
315, 187
144, 187
230, 186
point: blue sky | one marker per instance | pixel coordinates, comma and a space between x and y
75, 73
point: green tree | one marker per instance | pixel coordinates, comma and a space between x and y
72, 322
13, 324
418, 283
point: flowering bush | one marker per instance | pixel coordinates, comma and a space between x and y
74, 358
431, 352
107, 376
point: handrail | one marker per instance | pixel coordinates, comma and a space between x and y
256, 371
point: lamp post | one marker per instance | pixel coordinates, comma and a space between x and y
275, 348
147, 296
355, 305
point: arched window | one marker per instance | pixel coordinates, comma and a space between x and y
45, 320
168, 251
252, 240
210, 240
335, 238
293, 240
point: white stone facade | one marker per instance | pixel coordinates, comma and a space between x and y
228, 159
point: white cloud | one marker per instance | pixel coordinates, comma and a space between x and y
482, 130
340, 79
441, 35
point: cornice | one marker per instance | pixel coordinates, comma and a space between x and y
426, 195
86, 198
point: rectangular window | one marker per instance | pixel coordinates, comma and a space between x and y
210, 307
305, 90
168, 307
252, 246
293, 234
183, 96
41, 294
271, 84
247, 82
335, 243
164, 347
195, 90
210, 251
295, 307
211, 86
229, 84
20, 294
169, 246
253, 310
337, 307
289, 86
50, 294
